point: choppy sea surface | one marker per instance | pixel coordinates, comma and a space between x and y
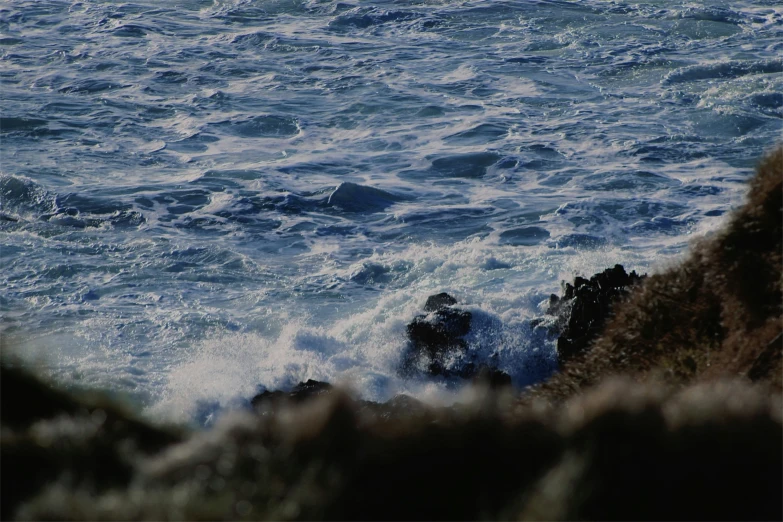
203, 199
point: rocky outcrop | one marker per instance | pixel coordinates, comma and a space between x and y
438, 346
716, 314
268, 400
399, 406
585, 306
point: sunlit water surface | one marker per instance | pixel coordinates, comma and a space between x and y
201, 200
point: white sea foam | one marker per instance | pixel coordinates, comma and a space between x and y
198, 201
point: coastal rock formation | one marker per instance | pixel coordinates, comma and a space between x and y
438, 346
585, 306
267, 400
399, 406
716, 314
437, 338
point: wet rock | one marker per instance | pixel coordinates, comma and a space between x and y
585, 306
303, 391
492, 378
440, 331
438, 302
398, 407
438, 348
436, 339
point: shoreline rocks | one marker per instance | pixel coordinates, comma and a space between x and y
303, 391
437, 338
438, 346
437, 343
585, 306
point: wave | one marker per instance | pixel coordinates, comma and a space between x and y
723, 70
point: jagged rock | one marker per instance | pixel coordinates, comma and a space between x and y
310, 388
584, 307
267, 400
398, 407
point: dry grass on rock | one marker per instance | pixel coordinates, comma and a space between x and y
716, 315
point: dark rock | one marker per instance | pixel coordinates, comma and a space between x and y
438, 348
405, 402
438, 302
585, 306
492, 378
436, 337
440, 331
303, 391
398, 407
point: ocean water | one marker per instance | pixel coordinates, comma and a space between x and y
202, 200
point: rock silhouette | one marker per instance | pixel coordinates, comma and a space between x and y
585, 306
438, 347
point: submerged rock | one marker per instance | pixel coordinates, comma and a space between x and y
351, 197
585, 306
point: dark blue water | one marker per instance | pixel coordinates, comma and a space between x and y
199, 200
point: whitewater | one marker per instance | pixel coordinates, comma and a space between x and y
204, 200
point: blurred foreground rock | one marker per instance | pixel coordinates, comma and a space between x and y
622, 451
301, 392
